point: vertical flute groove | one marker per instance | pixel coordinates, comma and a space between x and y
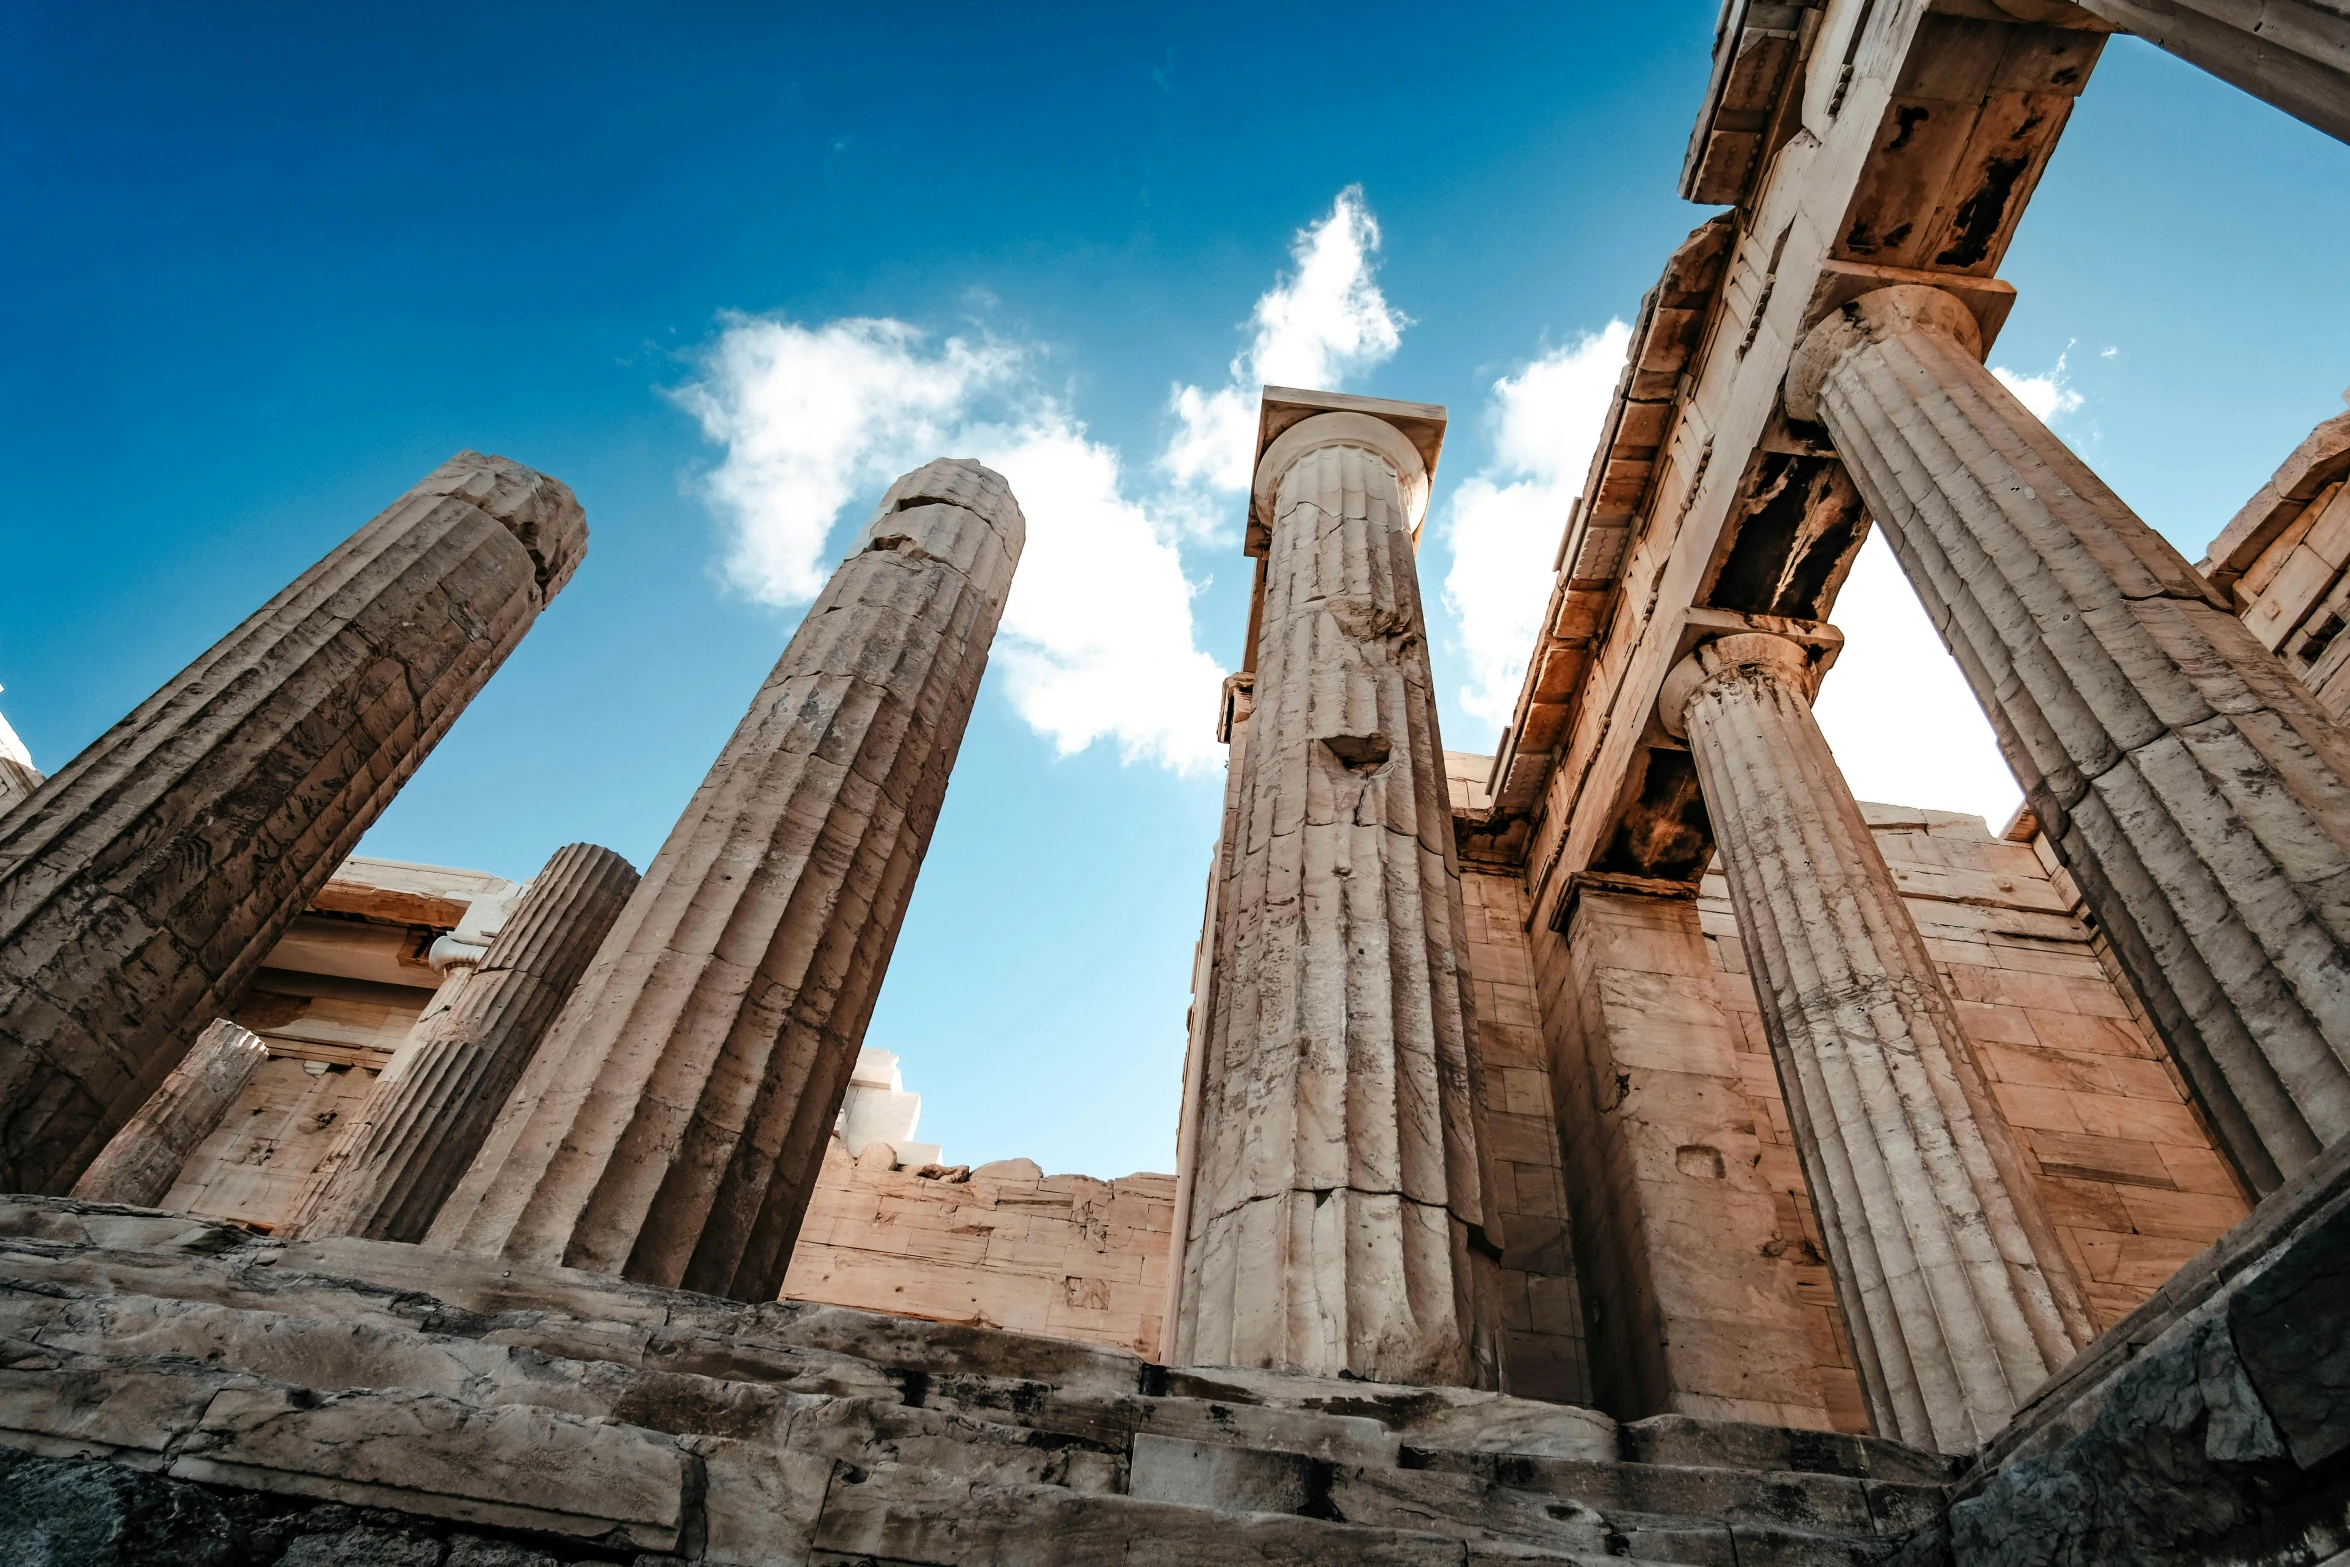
672, 1126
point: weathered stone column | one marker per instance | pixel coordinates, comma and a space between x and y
672, 1126
1337, 1210
2194, 789
139, 1164
1958, 1297
1231, 728
432, 1108
154, 872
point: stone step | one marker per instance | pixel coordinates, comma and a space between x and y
574, 1408
1234, 1478
898, 1514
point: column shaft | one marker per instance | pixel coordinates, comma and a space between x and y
1337, 1211
2195, 790
139, 1164
431, 1110
1959, 1300
672, 1126
150, 877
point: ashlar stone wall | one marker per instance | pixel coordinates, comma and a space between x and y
1000, 1246
1543, 1352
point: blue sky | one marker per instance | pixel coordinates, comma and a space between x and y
267, 266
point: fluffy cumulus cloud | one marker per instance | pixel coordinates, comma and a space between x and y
1505, 520
1097, 643
2049, 395
1315, 327
813, 416
1097, 636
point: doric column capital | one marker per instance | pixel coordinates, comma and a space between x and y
1740, 655
1872, 318
1343, 429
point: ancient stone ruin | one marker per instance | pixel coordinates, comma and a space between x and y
1628, 1145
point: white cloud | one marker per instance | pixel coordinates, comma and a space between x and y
813, 416
12, 748
1097, 636
1904, 725
1312, 329
1505, 520
2049, 395
1097, 641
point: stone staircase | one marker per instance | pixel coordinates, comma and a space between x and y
477, 1415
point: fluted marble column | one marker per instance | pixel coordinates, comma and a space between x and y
1959, 1300
672, 1126
431, 1110
2195, 790
1337, 1220
144, 884
140, 1163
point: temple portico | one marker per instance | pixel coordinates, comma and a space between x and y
1627, 1145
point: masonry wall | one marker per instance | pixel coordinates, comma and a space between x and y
1541, 1316
1001, 1246
1702, 1275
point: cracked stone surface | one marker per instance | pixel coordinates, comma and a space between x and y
672, 1126
431, 1110
156, 870
1337, 1212
2196, 791
2222, 1441
173, 1389
1957, 1295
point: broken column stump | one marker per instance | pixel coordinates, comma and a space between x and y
139, 1164
433, 1106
